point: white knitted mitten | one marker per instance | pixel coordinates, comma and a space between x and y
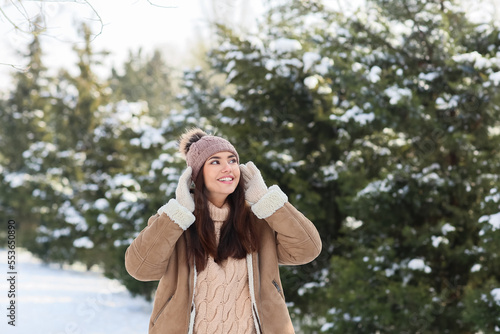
255, 187
182, 194
181, 209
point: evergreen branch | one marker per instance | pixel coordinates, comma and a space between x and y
423, 35
382, 40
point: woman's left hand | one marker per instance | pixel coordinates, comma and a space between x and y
255, 187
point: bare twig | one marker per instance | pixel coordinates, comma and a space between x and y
18, 4
38, 24
161, 6
10, 21
16, 67
31, 20
21, 9
99, 18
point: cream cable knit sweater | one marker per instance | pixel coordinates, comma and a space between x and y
222, 295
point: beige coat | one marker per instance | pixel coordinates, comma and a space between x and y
159, 253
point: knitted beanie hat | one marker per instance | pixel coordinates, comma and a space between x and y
196, 146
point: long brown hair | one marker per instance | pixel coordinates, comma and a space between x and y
238, 235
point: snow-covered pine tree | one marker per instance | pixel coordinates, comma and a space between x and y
21, 124
382, 126
57, 163
145, 78
94, 165
417, 263
105, 157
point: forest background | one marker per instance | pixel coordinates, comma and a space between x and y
382, 125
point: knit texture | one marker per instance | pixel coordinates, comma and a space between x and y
222, 297
204, 148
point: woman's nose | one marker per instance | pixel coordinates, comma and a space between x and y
226, 167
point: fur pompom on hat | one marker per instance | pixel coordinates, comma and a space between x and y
196, 147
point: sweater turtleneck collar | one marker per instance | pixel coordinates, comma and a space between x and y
218, 214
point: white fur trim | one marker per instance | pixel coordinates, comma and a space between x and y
179, 214
255, 314
273, 200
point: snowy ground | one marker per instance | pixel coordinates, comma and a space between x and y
51, 300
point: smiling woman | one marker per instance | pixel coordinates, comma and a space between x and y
216, 248
221, 174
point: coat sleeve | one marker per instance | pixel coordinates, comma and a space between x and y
147, 257
297, 239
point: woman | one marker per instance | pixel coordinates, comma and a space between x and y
216, 252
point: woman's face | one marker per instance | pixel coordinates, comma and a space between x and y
222, 175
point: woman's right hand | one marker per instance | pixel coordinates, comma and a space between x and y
182, 193
181, 208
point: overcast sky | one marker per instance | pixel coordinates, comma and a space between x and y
173, 26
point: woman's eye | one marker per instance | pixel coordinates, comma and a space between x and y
214, 162
233, 161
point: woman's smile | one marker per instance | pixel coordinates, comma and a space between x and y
227, 179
